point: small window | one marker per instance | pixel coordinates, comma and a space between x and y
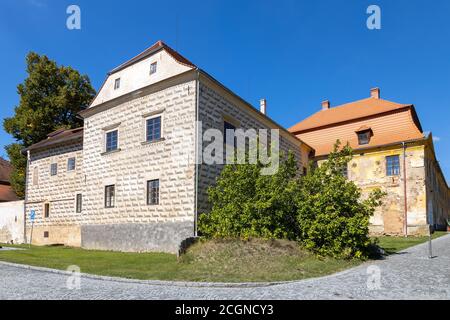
153, 129
153, 192
111, 140
47, 210
117, 84
228, 126
364, 137
54, 169
71, 164
153, 67
79, 203
393, 165
109, 196
46, 234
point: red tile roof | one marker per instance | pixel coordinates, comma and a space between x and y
7, 193
5, 170
56, 137
151, 50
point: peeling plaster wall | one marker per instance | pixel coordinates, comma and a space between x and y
368, 171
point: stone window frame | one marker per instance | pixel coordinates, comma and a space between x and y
231, 121
117, 83
54, 169
152, 115
153, 68
112, 198
69, 168
46, 209
106, 130
158, 192
78, 203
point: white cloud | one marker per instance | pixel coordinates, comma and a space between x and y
436, 139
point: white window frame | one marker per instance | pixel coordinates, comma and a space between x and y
117, 81
105, 139
157, 115
155, 63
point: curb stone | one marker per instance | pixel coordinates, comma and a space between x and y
203, 284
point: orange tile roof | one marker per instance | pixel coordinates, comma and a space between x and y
347, 112
57, 137
390, 123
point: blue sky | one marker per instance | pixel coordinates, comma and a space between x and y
294, 53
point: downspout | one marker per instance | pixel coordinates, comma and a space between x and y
26, 198
405, 193
197, 101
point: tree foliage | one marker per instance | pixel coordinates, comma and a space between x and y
247, 204
50, 98
323, 210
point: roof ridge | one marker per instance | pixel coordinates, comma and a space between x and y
158, 45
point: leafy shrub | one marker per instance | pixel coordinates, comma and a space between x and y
323, 210
332, 217
247, 204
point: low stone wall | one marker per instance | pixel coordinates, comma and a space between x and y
11, 222
138, 237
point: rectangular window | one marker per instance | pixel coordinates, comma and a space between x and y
109, 196
71, 164
153, 67
111, 141
393, 165
46, 234
363, 138
117, 84
153, 129
79, 203
228, 126
54, 169
153, 192
46, 210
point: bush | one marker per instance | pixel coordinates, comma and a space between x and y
332, 217
323, 210
247, 204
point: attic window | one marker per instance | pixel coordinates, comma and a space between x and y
364, 135
153, 68
117, 84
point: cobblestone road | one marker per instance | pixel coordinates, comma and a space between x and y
407, 275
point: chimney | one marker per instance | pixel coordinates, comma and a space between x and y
326, 105
263, 106
375, 93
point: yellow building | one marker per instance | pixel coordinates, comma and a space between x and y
391, 152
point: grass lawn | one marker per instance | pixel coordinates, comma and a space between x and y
218, 261
395, 244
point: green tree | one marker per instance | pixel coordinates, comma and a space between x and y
247, 204
50, 98
333, 217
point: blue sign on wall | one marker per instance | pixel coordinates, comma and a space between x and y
32, 215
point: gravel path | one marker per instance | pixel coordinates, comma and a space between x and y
407, 275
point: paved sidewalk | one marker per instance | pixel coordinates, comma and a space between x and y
406, 275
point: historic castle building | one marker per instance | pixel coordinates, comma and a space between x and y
391, 152
128, 179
